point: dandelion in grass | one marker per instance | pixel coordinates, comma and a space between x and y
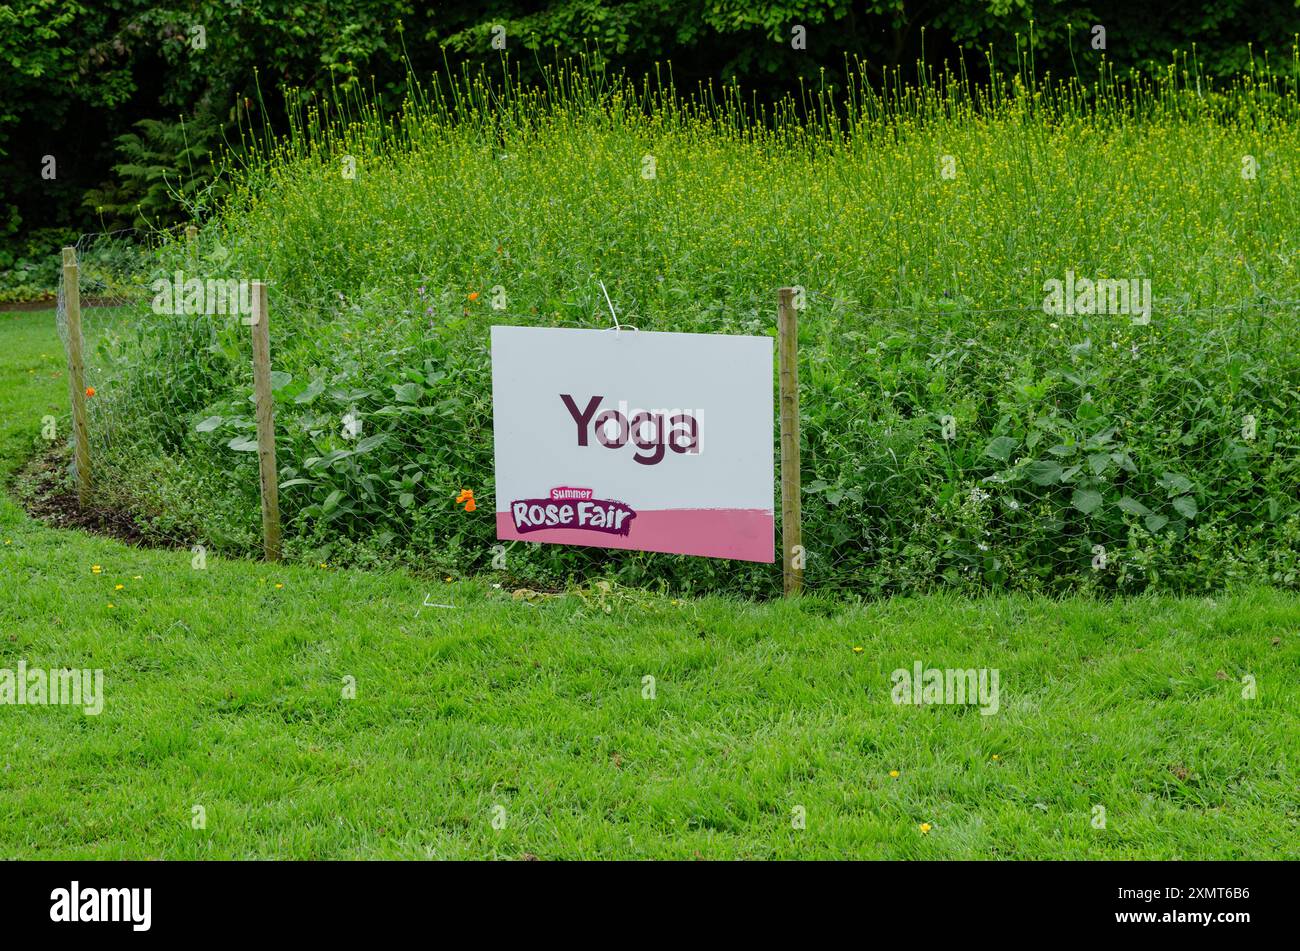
893, 774
925, 828
858, 650
96, 569
118, 587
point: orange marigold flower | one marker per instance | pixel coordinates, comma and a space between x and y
90, 391
473, 295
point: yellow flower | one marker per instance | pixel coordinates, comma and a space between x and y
96, 569
279, 586
110, 604
893, 774
996, 756
925, 828
136, 577
118, 587
857, 650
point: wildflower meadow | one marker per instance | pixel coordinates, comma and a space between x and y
961, 430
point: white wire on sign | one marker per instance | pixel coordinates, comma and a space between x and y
617, 328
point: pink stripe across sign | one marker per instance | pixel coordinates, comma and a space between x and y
742, 534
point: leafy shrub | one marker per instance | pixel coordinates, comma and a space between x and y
954, 434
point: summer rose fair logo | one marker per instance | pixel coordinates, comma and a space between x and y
572, 508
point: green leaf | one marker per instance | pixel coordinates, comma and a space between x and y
1001, 447
370, 442
209, 424
1133, 506
335, 455
314, 389
243, 444
1086, 501
293, 482
1175, 483
280, 379
1099, 462
1155, 522
408, 392
1043, 472
332, 501
1185, 505
1097, 440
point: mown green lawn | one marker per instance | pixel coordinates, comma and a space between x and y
225, 690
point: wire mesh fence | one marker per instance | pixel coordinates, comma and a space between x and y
949, 446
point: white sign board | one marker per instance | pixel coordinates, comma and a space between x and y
631, 439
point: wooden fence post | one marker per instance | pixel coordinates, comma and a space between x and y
76, 372
792, 553
265, 425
